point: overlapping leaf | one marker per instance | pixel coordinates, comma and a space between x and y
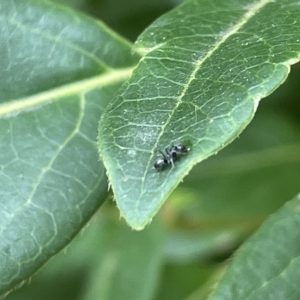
206, 66
128, 263
267, 266
59, 69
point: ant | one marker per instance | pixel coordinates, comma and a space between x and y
171, 154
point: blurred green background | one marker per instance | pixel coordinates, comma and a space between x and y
220, 203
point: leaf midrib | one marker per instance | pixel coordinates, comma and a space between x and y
231, 31
79, 87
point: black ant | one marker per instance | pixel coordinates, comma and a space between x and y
171, 154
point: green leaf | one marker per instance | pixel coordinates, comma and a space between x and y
128, 20
251, 178
59, 71
184, 247
206, 66
267, 266
128, 265
105, 261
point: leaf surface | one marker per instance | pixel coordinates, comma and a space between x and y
252, 177
206, 65
59, 71
267, 266
128, 263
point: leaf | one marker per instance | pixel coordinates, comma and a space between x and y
128, 20
251, 178
128, 265
59, 71
267, 266
186, 247
105, 261
206, 66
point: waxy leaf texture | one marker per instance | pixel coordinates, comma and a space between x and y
206, 66
59, 69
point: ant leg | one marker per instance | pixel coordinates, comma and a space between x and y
163, 154
172, 162
170, 156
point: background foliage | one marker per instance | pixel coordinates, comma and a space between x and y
222, 202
